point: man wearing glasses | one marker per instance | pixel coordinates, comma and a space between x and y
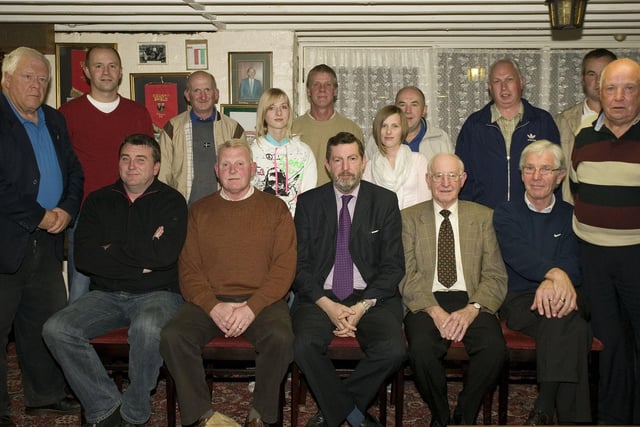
540, 251
454, 285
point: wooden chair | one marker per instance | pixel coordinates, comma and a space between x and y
455, 363
225, 359
113, 350
521, 368
345, 353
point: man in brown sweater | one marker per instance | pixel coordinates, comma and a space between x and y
237, 264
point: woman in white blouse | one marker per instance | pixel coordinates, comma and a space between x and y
394, 166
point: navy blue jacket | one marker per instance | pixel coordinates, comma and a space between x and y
493, 175
20, 212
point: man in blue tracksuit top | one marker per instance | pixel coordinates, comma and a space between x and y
492, 139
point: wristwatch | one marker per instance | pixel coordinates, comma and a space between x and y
476, 305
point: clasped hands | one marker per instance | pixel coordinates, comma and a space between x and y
453, 326
555, 296
233, 318
345, 318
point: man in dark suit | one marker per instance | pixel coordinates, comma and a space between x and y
40, 188
452, 292
349, 266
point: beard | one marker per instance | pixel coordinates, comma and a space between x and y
346, 182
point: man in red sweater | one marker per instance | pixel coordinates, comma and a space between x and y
98, 122
236, 266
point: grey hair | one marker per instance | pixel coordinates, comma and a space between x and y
10, 62
542, 146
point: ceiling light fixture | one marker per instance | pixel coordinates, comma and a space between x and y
566, 14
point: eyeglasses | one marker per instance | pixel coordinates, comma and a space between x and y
439, 176
544, 170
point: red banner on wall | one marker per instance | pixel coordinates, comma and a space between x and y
161, 100
79, 84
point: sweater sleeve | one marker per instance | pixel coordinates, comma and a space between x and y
282, 269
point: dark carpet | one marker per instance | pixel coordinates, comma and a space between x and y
234, 399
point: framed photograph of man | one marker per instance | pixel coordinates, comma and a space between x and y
70, 78
249, 76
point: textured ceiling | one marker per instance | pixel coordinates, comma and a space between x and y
320, 20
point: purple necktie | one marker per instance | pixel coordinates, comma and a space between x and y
343, 266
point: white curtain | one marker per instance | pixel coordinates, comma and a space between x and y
369, 78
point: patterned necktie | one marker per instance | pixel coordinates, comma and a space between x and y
343, 266
446, 252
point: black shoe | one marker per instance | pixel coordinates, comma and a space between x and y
370, 421
539, 418
6, 421
113, 420
317, 421
66, 406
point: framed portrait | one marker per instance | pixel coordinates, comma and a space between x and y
244, 114
249, 76
152, 53
196, 51
70, 79
161, 93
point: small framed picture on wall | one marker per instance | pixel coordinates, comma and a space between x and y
152, 53
197, 52
249, 76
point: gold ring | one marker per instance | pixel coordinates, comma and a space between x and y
562, 299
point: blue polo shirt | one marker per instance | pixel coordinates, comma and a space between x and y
50, 185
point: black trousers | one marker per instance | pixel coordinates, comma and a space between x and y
380, 336
612, 285
28, 298
562, 352
484, 344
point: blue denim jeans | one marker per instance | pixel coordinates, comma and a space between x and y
78, 282
68, 334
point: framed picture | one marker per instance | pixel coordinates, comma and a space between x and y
249, 76
161, 93
196, 51
152, 53
70, 79
244, 114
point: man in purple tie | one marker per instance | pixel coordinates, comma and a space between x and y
350, 261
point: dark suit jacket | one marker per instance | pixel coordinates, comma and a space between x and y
482, 265
375, 245
20, 213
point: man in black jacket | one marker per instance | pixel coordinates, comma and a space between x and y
40, 188
128, 240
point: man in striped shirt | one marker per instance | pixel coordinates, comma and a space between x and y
606, 185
